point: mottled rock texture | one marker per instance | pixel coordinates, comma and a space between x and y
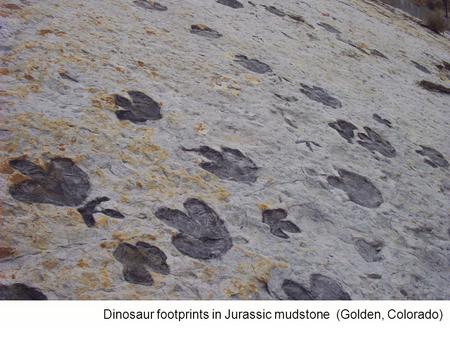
207, 149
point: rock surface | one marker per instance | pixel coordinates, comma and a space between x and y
100, 101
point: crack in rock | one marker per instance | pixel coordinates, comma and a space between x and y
202, 235
205, 31
320, 95
253, 65
358, 188
141, 108
231, 3
19, 291
275, 218
329, 28
434, 87
375, 143
420, 67
229, 164
321, 288
136, 258
274, 10
63, 183
435, 158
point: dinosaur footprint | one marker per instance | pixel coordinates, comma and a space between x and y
62, 183
205, 31
344, 128
150, 4
321, 288
374, 142
320, 95
358, 188
202, 235
435, 158
369, 251
135, 260
275, 219
229, 164
253, 65
231, 3
19, 291
88, 211
142, 108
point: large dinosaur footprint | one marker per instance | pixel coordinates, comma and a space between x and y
135, 260
229, 164
321, 288
141, 108
19, 291
374, 142
203, 234
63, 183
358, 188
276, 220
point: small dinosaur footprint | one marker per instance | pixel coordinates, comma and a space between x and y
150, 4
231, 3
62, 183
435, 158
229, 164
19, 291
275, 219
374, 142
135, 260
253, 65
88, 211
320, 95
358, 188
202, 235
141, 108
345, 129
321, 288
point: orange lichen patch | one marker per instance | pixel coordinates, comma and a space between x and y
149, 237
253, 80
82, 264
89, 279
244, 290
103, 101
263, 206
117, 236
5, 168
140, 64
75, 215
221, 194
201, 128
47, 31
108, 245
4, 71
17, 177
50, 264
106, 283
6, 252
29, 77
12, 7
101, 221
120, 69
149, 31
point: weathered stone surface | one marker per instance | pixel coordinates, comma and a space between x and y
82, 188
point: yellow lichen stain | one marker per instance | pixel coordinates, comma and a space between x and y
89, 279
108, 245
201, 128
243, 290
101, 221
103, 101
208, 274
17, 178
50, 264
106, 283
5, 168
118, 236
263, 206
253, 80
4, 71
82, 264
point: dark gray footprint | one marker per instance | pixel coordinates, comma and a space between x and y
19, 291
141, 108
275, 218
150, 4
62, 183
381, 120
321, 288
88, 211
434, 157
274, 10
205, 31
344, 128
229, 164
253, 65
231, 3
374, 142
320, 95
358, 188
202, 235
137, 258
